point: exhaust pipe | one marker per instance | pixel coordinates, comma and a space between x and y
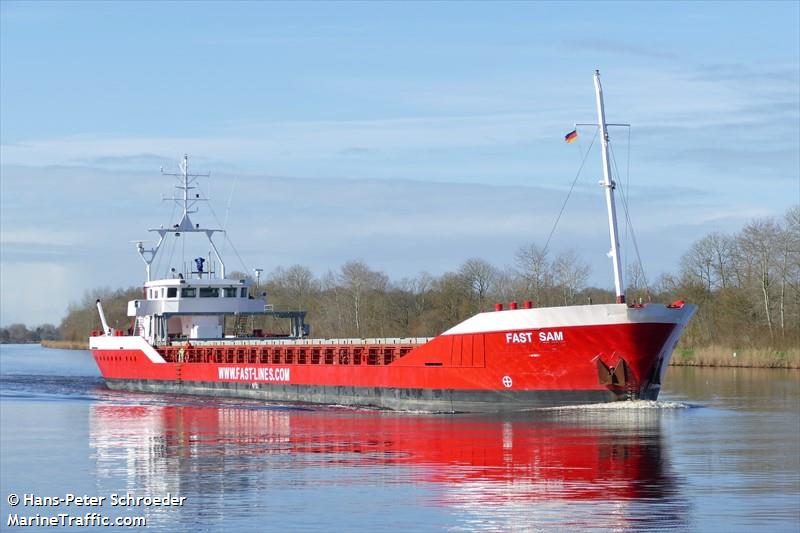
107, 331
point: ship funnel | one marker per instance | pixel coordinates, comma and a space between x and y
107, 331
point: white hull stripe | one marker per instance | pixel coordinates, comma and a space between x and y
518, 319
126, 343
576, 315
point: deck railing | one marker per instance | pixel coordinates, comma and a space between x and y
284, 354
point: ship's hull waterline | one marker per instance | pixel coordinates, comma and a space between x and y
422, 400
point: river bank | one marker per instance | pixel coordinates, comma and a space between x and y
723, 356
66, 345
710, 356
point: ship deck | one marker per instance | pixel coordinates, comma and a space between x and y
288, 341
349, 351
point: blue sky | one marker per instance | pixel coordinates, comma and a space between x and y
409, 135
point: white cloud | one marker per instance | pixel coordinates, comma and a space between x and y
281, 140
48, 236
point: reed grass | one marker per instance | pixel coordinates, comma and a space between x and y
737, 357
66, 345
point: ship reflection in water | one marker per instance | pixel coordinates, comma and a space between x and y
575, 469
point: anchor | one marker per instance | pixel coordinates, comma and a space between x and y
616, 376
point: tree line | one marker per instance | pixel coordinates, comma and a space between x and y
747, 286
20, 334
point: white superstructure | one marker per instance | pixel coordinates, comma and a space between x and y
192, 302
192, 308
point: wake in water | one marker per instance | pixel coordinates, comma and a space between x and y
50, 388
621, 407
630, 405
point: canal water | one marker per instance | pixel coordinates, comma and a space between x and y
719, 452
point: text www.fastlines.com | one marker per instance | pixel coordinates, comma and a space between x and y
68, 520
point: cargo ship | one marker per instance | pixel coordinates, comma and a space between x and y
192, 334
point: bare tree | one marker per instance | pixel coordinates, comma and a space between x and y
697, 264
570, 274
637, 281
722, 247
419, 288
358, 281
534, 268
452, 301
82, 316
506, 286
296, 283
789, 263
760, 240
480, 276
709, 260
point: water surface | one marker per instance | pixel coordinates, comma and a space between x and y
719, 452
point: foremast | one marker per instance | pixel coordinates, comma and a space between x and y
609, 185
186, 202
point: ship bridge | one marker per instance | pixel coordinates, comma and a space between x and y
179, 308
195, 296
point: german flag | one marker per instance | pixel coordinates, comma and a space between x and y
571, 136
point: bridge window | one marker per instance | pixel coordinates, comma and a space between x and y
229, 292
188, 292
172, 292
209, 292
244, 292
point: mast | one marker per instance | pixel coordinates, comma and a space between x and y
609, 184
186, 202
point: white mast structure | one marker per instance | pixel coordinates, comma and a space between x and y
609, 185
185, 225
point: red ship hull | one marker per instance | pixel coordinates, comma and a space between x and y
481, 365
